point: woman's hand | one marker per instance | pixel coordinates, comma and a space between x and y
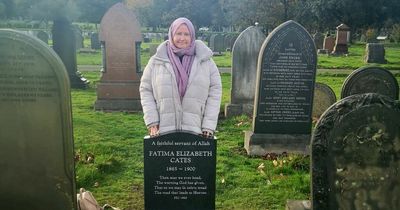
153, 131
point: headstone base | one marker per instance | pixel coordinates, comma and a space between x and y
260, 144
340, 49
298, 205
130, 105
232, 110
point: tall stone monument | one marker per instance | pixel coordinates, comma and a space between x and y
64, 46
284, 92
342, 39
371, 79
36, 141
118, 89
354, 155
244, 71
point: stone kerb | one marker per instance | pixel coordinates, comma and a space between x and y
36, 141
244, 71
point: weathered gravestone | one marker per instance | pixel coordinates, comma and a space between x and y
342, 39
78, 37
179, 172
375, 53
329, 43
244, 71
284, 92
324, 97
217, 43
371, 80
36, 142
94, 41
355, 155
64, 46
43, 36
118, 89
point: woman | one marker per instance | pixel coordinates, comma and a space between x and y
180, 88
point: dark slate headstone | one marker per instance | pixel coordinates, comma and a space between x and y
43, 36
284, 92
324, 97
371, 80
355, 155
244, 71
375, 53
217, 43
94, 41
118, 89
36, 142
179, 172
64, 46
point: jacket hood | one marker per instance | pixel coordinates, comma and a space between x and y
203, 53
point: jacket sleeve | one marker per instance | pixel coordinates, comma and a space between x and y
149, 106
213, 102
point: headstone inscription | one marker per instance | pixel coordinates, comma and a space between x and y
354, 155
179, 172
118, 89
371, 80
64, 46
284, 92
324, 97
36, 142
342, 39
375, 53
244, 71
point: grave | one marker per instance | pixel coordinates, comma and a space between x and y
284, 92
36, 141
354, 155
43, 36
329, 43
324, 97
244, 71
118, 88
78, 37
217, 44
179, 172
64, 46
342, 39
375, 53
371, 79
94, 41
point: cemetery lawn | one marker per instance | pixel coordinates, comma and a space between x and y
353, 60
115, 143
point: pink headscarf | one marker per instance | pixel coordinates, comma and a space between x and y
181, 69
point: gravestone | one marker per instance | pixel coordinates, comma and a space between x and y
329, 43
284, 92
179, 172
36, 142
43, 36
342, 39
324, 97
244, 71
318, 40
118, 89
78, 37
354, 155
371, 80
217, 44
94, 41
375, 53
64, 46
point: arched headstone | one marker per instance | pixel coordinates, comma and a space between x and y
118, 89
36, 142
324, 97
371, 80
354, 155
284, 92
244, 71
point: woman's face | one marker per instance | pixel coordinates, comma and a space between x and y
181, 37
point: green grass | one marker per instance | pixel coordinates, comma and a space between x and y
354, 60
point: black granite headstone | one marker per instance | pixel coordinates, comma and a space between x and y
179, 172
355, 160
371, 80
284, 92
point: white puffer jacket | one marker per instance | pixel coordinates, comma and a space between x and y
160, 99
